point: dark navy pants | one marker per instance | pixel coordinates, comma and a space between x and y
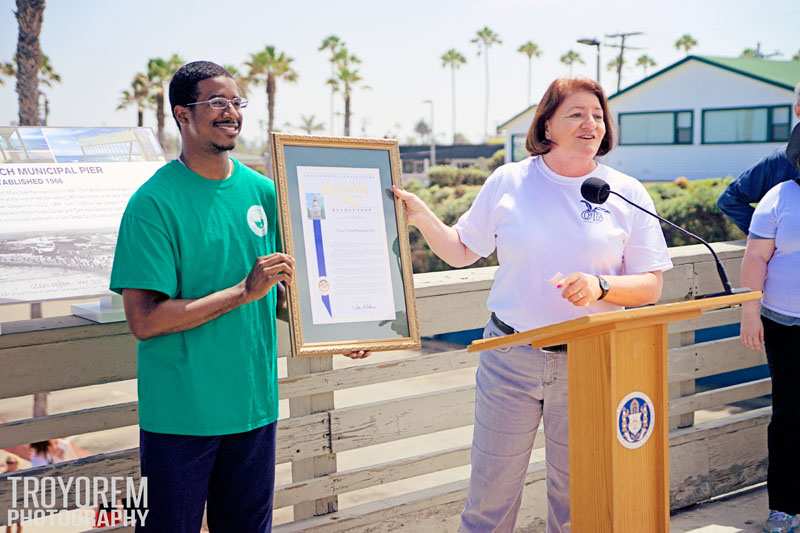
783, 432
234, 473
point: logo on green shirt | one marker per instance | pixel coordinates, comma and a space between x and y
257, 220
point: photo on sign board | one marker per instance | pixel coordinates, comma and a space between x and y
62, 195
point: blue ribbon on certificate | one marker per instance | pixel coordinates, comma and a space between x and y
326, 299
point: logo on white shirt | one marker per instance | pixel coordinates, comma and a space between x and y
257, 220
593, 214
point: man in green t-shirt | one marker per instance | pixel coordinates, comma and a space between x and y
199, 266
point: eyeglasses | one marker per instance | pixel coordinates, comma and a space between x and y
220, 103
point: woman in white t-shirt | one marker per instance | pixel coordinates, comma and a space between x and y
613, 255
772, 263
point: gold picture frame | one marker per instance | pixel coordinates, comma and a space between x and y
333, 306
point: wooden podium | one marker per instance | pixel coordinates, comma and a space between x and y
618, 411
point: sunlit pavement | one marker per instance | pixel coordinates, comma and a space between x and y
743, 512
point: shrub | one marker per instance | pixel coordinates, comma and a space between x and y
692, 205
497, 160
447, 176
448, 203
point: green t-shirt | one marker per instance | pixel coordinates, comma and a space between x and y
186, 237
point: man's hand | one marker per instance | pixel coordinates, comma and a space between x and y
358, 354
266, 272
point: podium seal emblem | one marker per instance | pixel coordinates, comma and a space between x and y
635, 420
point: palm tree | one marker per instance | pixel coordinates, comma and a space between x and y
531, 50
47, 77
422, 129
30, 14
484, 39
453, 59
7, 70
159, 72
346, 78
570, 58
309, 124
686, 42
333, 44
267, 67
138, 95
47, 74
646, 62
241, 79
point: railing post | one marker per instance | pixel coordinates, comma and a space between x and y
306, 405
681, 388
39, 398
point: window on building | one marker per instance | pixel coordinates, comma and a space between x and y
518, 150
781, 123
746, 125
658, 127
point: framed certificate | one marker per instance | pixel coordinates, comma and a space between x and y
353, 287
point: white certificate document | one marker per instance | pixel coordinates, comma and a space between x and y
347, 253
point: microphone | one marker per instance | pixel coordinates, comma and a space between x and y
597, 191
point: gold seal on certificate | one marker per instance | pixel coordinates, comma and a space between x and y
354, 286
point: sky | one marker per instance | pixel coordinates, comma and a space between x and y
98, 45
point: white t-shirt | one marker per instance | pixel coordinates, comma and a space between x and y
777, 216
541, 225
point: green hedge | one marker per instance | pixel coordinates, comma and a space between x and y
447, 176
497, 160
691, 204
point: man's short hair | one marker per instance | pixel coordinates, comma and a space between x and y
183, 85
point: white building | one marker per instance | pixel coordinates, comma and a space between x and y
700, 117
515, 131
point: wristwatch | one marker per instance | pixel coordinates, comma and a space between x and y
603, 287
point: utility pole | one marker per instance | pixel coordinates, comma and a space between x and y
621, 57
762, 55
433, 134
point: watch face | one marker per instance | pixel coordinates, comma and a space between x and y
603, 287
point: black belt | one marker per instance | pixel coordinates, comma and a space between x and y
508, 330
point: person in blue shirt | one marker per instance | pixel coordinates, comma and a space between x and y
753, 184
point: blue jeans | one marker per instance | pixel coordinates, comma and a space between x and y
234, 473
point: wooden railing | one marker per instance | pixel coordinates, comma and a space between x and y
431, 409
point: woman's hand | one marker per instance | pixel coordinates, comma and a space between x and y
415, 208
579, 288
752, 333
